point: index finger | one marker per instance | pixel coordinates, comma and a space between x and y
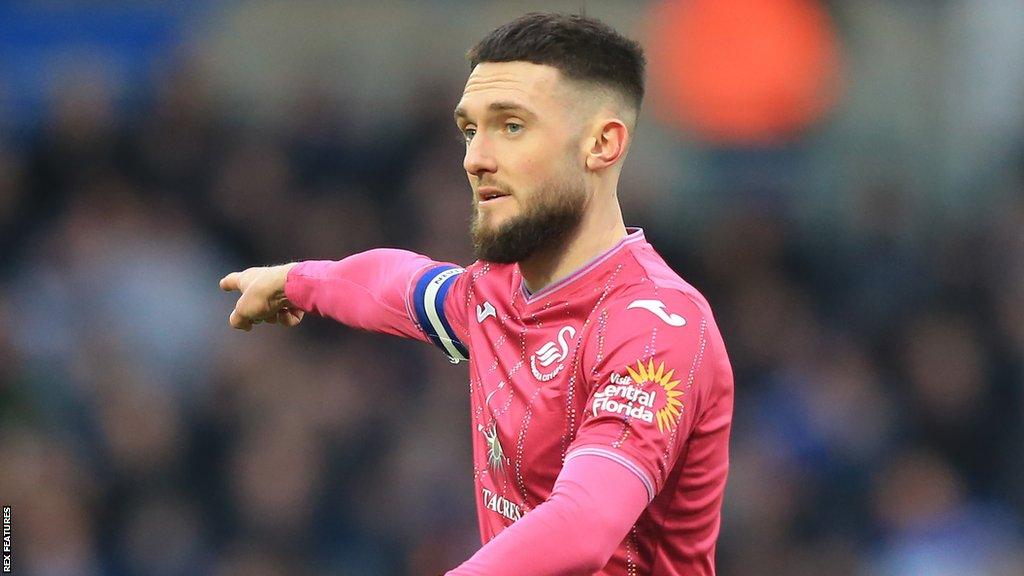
230, 282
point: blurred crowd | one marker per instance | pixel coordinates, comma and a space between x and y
878, 353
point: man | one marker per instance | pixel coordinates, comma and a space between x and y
600, 388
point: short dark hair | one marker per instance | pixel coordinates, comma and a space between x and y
582, 48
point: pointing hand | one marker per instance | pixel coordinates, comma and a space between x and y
262, 298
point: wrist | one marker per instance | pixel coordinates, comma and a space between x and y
281, 282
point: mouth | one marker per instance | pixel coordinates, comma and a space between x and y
489, 194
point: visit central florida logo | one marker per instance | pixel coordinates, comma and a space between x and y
648, 393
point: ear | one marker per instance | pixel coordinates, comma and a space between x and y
609, 144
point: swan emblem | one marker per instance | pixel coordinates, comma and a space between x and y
551, 353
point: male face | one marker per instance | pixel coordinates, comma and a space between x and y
522, 159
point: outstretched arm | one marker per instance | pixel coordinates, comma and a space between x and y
383, 290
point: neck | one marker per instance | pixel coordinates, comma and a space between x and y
601, 229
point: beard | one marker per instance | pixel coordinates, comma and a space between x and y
546, 223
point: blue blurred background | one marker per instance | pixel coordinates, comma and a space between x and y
843, 180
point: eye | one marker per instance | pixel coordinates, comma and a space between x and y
513, 127
467, 134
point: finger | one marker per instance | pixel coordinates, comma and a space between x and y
253, 307
238, 321
230, 282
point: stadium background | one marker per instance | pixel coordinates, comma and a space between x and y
843, 180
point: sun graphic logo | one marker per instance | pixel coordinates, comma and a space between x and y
668, 415
632, 397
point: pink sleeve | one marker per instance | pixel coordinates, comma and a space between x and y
386, 290
594, 503
647, 382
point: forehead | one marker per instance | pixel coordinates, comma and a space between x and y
535, 86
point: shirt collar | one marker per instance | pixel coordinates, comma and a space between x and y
633, 235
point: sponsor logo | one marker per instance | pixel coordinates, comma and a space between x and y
634, 396
657, 307
621, 397
501, 505
485, 310
551, 353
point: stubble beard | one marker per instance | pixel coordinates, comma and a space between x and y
547, 223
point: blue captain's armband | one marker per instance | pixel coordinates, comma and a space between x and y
428, 300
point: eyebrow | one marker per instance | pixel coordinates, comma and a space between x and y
500, 106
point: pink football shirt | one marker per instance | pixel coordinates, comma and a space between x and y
621, 360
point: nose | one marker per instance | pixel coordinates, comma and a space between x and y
479, 157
